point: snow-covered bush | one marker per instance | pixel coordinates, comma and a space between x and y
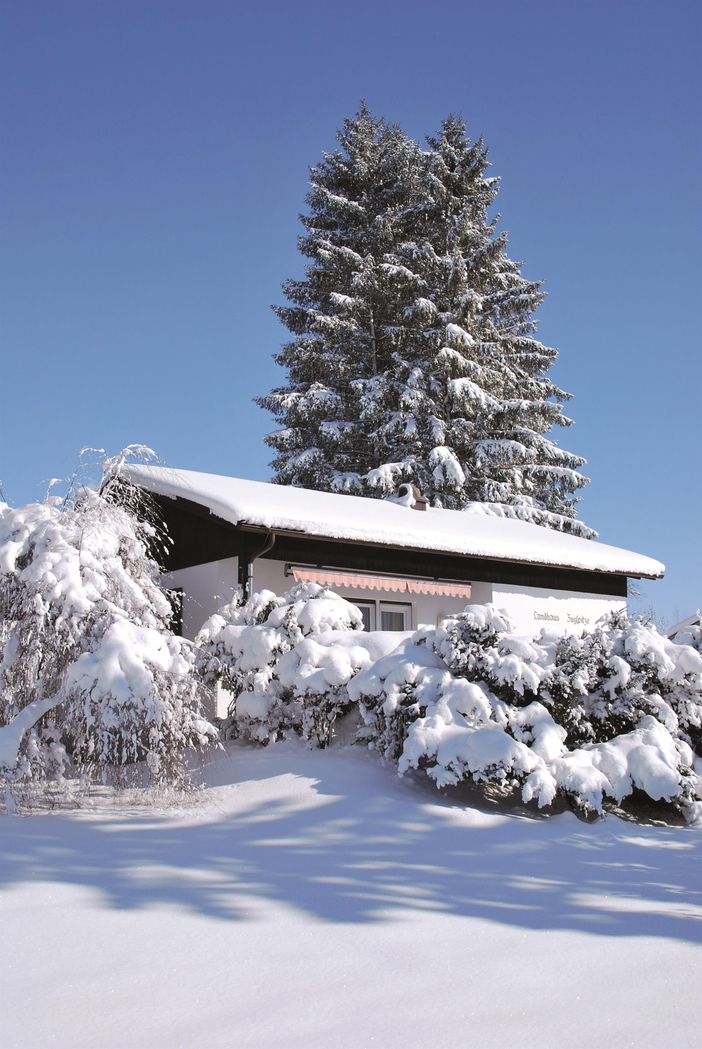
591, 718
649, 758
90, 674
396, 690
604, 683
284, 661
314, 676
427, 706
236, 659
480, 645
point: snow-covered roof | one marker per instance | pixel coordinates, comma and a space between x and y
471, 532
694, 620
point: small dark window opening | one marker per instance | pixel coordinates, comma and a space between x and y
175, 596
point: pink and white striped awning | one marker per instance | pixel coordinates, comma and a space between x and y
368, 581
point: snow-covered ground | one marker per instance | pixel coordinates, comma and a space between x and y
312, 899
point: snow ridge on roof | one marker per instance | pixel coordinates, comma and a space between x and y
352, 517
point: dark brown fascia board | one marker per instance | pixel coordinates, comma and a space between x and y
324, 552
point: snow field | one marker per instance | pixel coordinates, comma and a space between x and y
313, 899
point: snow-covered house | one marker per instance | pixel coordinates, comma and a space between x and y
401, 566
691, 623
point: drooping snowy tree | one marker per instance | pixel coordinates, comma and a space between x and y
414, 356
91, 675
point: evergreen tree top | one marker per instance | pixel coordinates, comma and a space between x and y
413, 352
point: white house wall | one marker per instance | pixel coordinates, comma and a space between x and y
560, 611
270, 575
207, 587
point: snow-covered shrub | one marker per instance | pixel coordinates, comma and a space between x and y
222, 656
461, 641
395, 690
480, 645
574, 675
606, 682
314, 676
276, 656
649, 758
90, 673
423, 714
591, 718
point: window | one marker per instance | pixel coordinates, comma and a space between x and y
367, 610
394, 616
384, 615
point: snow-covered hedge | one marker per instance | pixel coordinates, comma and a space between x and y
286, 661
590, 718
90, 673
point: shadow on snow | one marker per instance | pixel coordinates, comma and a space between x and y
341, 855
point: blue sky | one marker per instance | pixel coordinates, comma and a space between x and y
155, 158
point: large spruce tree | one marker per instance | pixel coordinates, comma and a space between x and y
413, 354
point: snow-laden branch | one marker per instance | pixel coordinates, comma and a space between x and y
12, 735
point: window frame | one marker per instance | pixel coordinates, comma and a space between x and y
372, 608
396, 606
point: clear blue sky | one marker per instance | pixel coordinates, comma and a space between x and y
154, 161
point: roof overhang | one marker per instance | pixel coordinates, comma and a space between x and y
200, 536
479, 532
